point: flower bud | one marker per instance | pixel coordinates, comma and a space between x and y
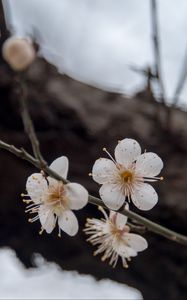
19, 53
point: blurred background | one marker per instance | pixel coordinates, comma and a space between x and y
105, 71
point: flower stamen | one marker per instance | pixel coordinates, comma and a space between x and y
105, 150
127, 176
41, 231
112, 236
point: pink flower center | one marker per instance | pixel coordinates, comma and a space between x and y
57, 197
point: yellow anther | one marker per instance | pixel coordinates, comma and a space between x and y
126, 266
41, 231
127, 176
100, 208
24, 195
26, 201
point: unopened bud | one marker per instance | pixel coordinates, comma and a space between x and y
19, 53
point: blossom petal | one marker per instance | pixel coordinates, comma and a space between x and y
112, 195
118, 219
144, 196
47, 218
103, 170
112, 214
36, 186
68, 222
149, 164
129, 252
77, 195
53, 183
127, 151
60, 166
136, 241
125, 251
121, 221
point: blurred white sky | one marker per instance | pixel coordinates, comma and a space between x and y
48, 281
97, 41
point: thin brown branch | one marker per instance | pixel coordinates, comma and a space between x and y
27, 121
137, 228
21, 153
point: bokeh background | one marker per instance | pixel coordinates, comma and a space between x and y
77, 120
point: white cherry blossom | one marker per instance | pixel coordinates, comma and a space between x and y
113, 238
53, 201
126, 176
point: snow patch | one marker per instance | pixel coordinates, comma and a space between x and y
48, 281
